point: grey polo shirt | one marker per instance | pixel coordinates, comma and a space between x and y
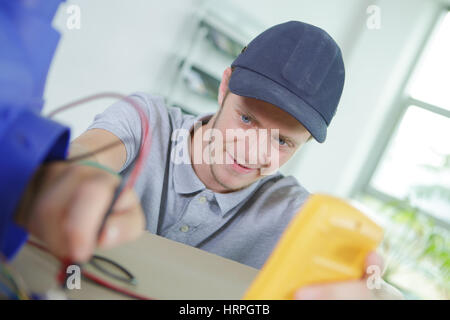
244, 225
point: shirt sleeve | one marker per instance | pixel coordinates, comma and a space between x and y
122, 120
286, 197
26, 141
27, 44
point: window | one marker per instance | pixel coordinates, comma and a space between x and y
416, 162
408, 188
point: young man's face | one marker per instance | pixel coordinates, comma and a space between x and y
257, 153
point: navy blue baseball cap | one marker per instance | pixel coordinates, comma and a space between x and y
297, 67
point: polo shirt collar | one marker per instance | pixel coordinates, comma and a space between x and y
185, 178
228, 201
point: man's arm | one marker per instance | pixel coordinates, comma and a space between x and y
67, 201
114, 156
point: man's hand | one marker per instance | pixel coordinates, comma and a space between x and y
64, 206
352, 290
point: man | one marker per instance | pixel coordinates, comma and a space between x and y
285, 85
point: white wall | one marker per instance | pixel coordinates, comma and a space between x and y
337, 17
122, 46
374, 73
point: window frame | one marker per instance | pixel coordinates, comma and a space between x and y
399, 107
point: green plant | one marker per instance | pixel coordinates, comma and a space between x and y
414, 238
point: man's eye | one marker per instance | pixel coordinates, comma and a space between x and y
281, 141
245, 119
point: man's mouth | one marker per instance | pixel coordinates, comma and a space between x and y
238, 167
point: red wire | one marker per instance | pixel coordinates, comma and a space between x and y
146, 134
110, 286
62, 275
142, 155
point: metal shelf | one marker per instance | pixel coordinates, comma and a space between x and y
218, 38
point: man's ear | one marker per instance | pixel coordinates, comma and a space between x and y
224, 85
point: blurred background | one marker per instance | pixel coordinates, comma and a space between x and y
388, 147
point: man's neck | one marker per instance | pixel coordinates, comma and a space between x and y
203, 169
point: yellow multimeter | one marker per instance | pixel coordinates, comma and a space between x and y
328, 240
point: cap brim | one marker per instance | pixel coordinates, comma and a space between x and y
250, 84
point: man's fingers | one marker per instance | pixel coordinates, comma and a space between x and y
69, 208
349, 290
357, 289
126, 222
373, 259
49, 208
86, 211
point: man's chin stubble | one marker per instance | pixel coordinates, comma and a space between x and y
228, 188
